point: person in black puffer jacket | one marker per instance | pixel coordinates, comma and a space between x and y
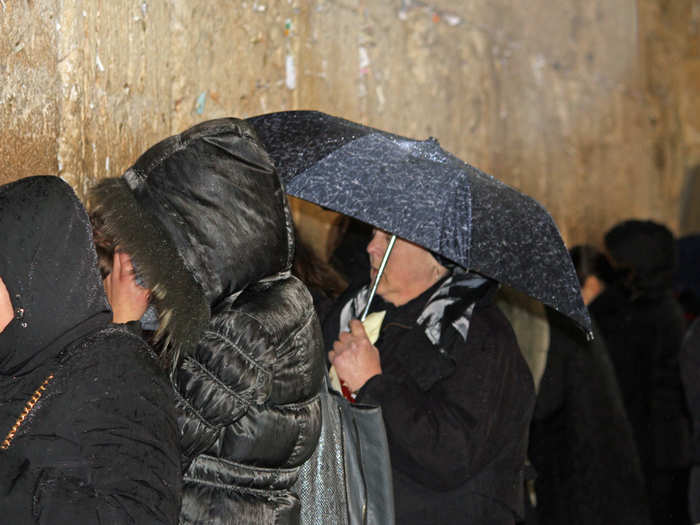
87, 415
204, 217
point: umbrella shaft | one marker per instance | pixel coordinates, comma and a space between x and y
380, 271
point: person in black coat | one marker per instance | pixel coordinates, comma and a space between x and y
643, 327
586, 469
455, 392
86, 413
581, 441
690, 370
204, 218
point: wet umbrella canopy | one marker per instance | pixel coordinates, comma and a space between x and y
424, 194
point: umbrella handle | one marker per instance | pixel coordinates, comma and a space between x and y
380, 271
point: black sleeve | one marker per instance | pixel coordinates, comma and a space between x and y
117, 410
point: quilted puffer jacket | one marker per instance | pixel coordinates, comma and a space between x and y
204, 217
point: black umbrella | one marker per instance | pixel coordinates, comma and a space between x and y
422, 193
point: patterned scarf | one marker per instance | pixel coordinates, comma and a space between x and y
447, 313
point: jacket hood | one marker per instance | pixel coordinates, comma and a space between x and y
49, 265
644, 256
203, 214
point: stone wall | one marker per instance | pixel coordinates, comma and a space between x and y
591, 106
29, 105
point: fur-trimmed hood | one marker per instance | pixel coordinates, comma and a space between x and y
203, 214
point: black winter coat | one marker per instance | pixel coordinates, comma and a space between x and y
644, 337
205, 219
456, 417
581, 441
100, 444
690, 370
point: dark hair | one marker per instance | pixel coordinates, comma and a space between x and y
644, 255
315, 273
104, 245
589, 261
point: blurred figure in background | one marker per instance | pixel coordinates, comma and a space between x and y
593, 270
643, 325
349, 256
322, 280
690, 369
581, 443
686, 281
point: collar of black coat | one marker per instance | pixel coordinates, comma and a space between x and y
203, 215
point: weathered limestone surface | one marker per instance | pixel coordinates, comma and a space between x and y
29, 107
589, 106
